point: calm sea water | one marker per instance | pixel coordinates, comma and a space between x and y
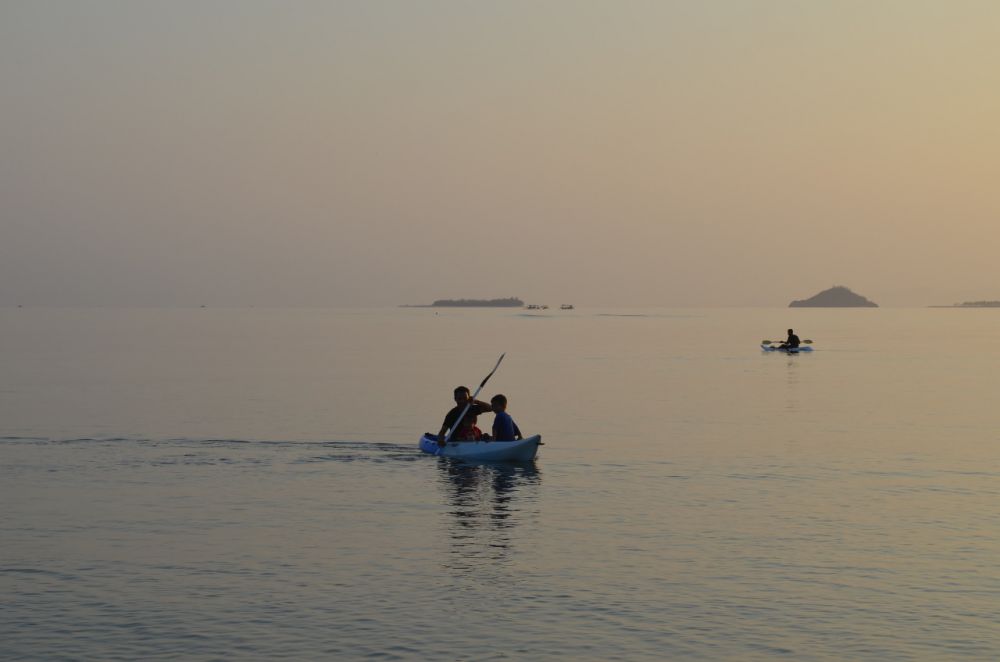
206, 484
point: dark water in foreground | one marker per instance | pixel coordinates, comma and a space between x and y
245, 484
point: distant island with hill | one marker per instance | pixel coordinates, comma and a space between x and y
835, 297
510, 302
972, 304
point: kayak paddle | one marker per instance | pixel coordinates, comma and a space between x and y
778, 342
469, 403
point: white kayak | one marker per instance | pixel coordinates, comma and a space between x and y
786, 350
522, 450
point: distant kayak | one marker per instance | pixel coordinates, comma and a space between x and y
522, 450
786, 350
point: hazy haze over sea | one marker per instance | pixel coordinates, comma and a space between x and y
205, 483
719, 153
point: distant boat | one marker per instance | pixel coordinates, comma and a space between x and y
532, 306
566, 306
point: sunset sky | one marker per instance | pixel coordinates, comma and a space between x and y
661, 153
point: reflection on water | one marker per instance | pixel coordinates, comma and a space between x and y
487, 501
792, 391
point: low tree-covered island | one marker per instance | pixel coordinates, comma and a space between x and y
510, 302
835, 297
974, 304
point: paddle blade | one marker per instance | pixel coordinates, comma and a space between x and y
487, 377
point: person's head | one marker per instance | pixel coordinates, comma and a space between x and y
462, 394
790, 332
499, 402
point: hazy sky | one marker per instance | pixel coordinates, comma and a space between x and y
374, 152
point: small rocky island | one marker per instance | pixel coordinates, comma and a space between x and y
835, 297
510, 302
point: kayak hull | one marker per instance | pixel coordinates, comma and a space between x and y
522, 450
775, 348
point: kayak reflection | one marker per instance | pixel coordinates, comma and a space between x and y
487, 501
